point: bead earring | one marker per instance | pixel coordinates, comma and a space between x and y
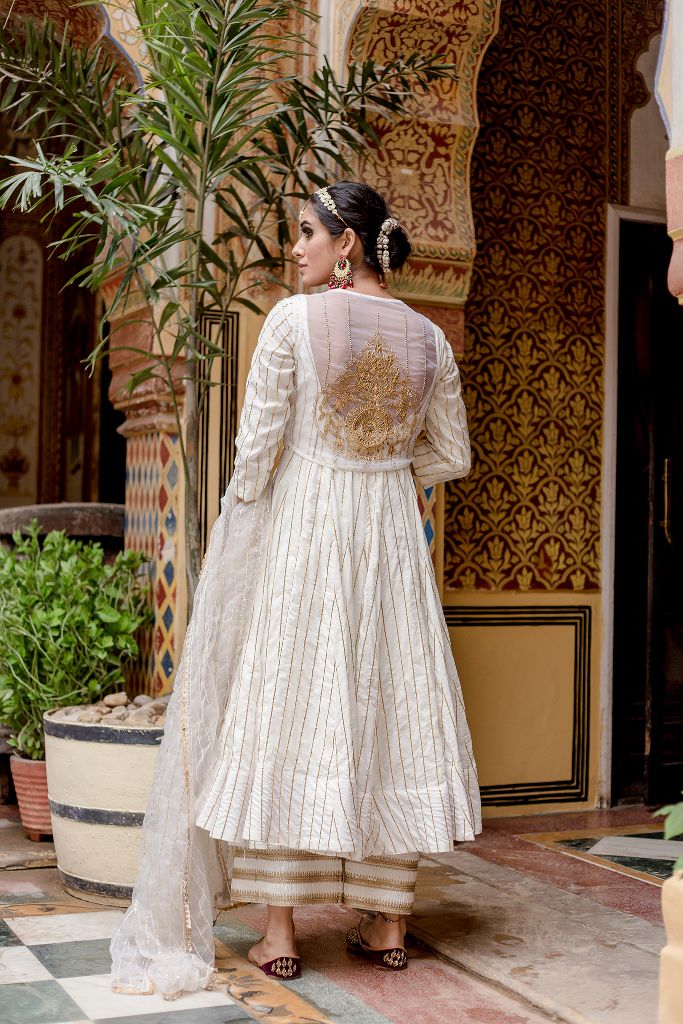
342, 275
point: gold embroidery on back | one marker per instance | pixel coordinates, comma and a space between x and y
370, 409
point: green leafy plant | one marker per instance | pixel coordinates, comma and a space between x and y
186, 184
67, 628
673, 826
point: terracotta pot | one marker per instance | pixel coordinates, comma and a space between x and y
30, 782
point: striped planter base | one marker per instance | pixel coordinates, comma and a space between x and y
99, 779
31, 786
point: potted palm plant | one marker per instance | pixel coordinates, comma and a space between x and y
67, 629
187, 180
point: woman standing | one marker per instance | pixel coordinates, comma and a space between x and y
318, 741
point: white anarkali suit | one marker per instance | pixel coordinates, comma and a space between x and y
345, 731
319, 707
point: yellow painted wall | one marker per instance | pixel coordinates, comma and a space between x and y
529, 667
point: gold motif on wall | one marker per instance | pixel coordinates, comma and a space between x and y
528, 516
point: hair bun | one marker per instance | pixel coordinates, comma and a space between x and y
399, 247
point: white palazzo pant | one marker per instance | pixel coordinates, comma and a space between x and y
298, 878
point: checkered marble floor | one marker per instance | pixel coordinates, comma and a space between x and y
54, 969
639, 851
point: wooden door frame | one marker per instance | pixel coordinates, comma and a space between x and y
615, 216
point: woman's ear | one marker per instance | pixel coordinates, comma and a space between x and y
348, 239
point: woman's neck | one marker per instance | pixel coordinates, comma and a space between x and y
366, 282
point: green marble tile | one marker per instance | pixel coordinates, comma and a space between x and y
7, 936
74, 959
37, 1002
207, 1015
658, 868
583, 844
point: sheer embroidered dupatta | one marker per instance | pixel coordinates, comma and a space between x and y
165, 941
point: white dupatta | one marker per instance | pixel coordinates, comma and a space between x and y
165, 941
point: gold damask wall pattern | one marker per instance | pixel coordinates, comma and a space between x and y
553, 111
528, 516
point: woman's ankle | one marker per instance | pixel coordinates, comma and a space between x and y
380, 933
280, 923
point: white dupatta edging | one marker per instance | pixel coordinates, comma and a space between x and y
165, 941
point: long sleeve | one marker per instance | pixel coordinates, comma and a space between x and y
266, 402
442, 451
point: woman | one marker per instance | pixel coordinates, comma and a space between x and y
317, 741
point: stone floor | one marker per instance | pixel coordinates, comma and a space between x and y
512, 929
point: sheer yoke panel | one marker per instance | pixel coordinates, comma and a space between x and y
375, 361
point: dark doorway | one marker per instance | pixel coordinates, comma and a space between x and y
112, 444
648, 585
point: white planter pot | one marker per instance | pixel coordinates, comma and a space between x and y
98, 781
671, 957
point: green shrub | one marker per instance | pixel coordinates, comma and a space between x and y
673, 826
67, 625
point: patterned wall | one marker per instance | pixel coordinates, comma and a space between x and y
21, 320
528, 516
151, 524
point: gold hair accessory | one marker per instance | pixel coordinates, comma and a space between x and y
303, 210
328, 202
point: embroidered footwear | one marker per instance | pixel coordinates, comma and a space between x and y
284, 967
392, 959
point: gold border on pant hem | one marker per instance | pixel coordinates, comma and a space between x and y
373, 882
384, 905
285, 877
388, 862
276, 900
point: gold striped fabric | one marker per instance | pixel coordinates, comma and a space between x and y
285, 878
344, 732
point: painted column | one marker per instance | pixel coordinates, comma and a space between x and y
154, 496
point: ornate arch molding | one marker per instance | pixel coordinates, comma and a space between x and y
632, 24
89, 24
423, 166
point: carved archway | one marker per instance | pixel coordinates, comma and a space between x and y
423, 163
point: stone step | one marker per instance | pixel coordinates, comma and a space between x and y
566, 954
